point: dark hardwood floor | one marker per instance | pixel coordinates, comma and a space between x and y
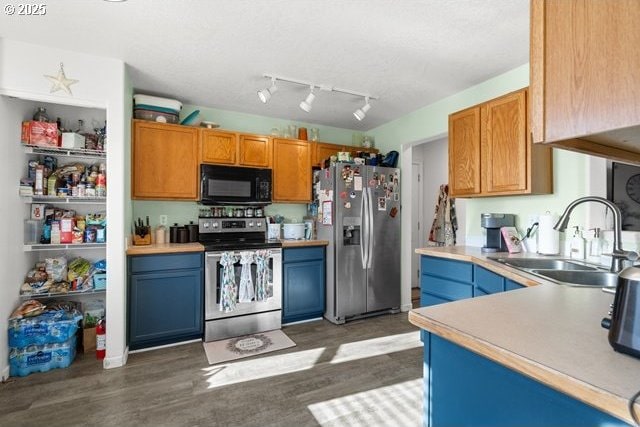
365, 373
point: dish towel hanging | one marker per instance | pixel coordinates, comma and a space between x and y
246, 293
228, 289
445, 223
262, 273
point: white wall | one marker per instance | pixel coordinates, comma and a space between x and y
13, 262
101, 84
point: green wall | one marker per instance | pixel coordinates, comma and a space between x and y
432, 121
183, 212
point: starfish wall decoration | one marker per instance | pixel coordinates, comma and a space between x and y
61, 82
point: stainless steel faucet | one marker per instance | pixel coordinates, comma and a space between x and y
617, 255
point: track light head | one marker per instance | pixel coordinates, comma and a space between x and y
265, 94
307, 104
360, 113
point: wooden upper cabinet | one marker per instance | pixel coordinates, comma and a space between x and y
504, 146
464, 152
291, 170
164, 161
585, 84
255, 150
490, 153
219, 147
323, 150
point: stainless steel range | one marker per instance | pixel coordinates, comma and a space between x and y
243, 277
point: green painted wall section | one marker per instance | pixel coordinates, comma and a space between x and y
262, 125
569, 183
432, 121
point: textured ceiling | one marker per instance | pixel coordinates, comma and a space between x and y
213, 53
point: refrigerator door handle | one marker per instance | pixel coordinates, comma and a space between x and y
369, 229
363, 228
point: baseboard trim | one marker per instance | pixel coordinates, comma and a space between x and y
116, 362
303, 321
5, 373
405, 307
175, 344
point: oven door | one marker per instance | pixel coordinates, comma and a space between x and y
213, 280
227, 185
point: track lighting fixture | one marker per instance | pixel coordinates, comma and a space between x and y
265, 94
307, 104
360, 113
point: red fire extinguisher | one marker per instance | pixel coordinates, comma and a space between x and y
101, 340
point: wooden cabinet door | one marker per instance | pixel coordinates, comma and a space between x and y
165, 161
291, 170
584, 71
505, 149
254, 150
324, 151
219, 147
464, 152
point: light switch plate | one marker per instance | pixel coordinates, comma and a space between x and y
163, 220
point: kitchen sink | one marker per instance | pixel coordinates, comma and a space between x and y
543, 264
599, 279
563, 271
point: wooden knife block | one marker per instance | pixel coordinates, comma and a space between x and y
141, 241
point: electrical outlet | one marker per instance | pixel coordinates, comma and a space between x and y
163, 220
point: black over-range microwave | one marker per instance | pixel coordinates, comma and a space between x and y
230, 185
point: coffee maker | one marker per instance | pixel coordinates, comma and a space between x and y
492, 223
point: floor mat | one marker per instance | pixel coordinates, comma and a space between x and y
245, 346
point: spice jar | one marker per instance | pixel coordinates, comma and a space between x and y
302, 134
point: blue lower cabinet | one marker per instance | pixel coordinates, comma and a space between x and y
463, 388
510, 285
165, 301
487, 282
445, 280
303, 283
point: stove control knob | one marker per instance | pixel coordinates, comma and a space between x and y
259, 224
215, 225
250, 223
205, 225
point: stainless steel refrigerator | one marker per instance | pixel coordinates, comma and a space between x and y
359, 214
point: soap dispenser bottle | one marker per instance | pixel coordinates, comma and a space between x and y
595, 246
578, 245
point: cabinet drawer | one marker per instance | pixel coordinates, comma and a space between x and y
303, 254
445, 288
449, 269
510, 285
145, 263
488, 281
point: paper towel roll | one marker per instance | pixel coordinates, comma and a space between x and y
548, 238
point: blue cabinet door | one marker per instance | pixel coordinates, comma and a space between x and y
165, 306
510, 285
465, 389
303, 290
487, 282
